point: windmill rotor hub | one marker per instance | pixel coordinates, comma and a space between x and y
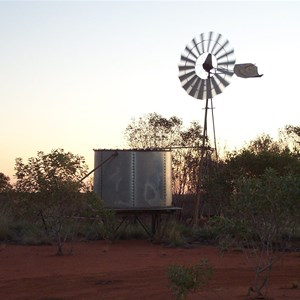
204, 68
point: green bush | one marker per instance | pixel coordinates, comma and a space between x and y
173, 234
29, 233
131, 231
205, 234
184, 279
229, 233
5, 230
6, 219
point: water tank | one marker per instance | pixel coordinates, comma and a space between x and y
133, 178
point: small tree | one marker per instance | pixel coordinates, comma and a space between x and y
51, 187
47, 172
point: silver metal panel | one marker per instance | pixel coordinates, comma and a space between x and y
134, 178
113, 180
149, 181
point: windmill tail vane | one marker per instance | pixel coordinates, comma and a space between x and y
246, 70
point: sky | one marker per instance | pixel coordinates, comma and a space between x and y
74, 74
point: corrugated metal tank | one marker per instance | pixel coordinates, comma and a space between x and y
133, 178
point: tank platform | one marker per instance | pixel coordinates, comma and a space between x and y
139, 215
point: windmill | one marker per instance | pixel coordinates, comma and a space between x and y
205, 69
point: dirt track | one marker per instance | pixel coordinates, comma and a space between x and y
131, 270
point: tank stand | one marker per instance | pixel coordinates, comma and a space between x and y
139, 216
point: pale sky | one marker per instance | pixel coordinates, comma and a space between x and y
74, 74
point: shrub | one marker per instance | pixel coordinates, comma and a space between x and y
188, 279
172, 234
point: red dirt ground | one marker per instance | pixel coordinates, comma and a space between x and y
131, 270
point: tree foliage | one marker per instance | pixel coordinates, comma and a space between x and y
264, 143
5, 185
153, 131
49, 172
290, 136
261, 154
251, 161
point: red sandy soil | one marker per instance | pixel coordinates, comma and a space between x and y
131, 270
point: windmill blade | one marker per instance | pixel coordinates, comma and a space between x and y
195, 87
190, 52
209, 40
216, 86
189, 83
196, 46
225, 54
222, 47
216, 43
202, 40
227, 63
222, 80
185, 68
187, 75
201, 90
186, 59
